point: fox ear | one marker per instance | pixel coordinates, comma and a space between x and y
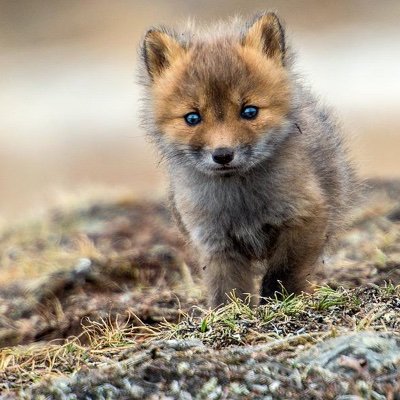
267, 35
159, 50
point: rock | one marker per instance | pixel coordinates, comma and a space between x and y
357, 353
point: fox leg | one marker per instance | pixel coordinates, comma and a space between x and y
293, 259
224, 272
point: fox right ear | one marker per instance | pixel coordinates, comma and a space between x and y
159, 50
267, 35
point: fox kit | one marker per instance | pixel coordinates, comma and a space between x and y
258, 171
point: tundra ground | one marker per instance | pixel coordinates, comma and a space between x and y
104, 300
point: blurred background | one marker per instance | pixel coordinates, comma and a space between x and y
68, 92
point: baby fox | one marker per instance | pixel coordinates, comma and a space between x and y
258, 171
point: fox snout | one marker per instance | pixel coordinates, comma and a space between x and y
223, 155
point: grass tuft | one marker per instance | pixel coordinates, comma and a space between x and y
20, 365
317, 314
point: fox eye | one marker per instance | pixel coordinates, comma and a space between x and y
192, 118
249, 112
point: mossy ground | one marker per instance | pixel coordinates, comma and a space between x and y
109, 294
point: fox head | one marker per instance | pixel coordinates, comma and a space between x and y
219, 101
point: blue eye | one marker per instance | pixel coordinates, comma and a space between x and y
192, 118
249, 112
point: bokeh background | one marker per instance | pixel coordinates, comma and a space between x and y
68, 92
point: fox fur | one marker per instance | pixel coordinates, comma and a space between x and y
290, 185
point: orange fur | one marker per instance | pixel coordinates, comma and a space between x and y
263, 82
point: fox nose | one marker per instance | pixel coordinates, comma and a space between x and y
223, 155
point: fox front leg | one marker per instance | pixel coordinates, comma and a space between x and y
294, 258
224, 273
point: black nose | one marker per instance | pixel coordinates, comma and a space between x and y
223, 155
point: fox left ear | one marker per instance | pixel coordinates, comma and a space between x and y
267, 35
159, 50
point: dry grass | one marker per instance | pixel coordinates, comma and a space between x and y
35, 248
105, 339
